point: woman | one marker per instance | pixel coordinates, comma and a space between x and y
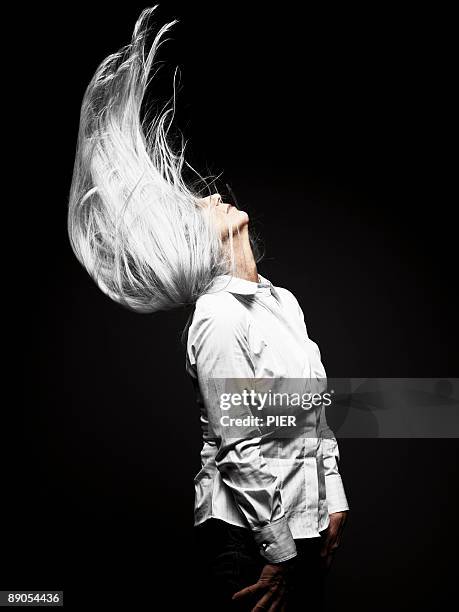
269, 510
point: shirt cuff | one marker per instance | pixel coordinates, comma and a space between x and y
336, 497
275, 541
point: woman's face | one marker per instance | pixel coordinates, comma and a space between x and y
226, 215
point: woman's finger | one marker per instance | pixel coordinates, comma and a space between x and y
250, 590
277, 601
326, 539
264, 604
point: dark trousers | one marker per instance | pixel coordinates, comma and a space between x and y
229, 561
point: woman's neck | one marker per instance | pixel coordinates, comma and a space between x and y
244, 260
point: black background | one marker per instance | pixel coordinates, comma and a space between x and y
332, 127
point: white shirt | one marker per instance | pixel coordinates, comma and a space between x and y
281, 489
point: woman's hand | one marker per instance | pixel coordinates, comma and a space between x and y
271, 587
332, 537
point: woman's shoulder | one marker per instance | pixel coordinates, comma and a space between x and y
218, 321
221, 307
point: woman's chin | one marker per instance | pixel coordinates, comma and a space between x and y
242, 217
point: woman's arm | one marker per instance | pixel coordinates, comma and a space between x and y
336, 497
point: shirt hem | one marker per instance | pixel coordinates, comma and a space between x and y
293, 530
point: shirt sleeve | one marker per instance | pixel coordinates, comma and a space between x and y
218, 345
336, 496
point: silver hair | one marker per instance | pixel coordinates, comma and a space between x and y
133, 223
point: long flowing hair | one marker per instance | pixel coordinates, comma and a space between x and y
133, 222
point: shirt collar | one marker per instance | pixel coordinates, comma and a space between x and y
241, 286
